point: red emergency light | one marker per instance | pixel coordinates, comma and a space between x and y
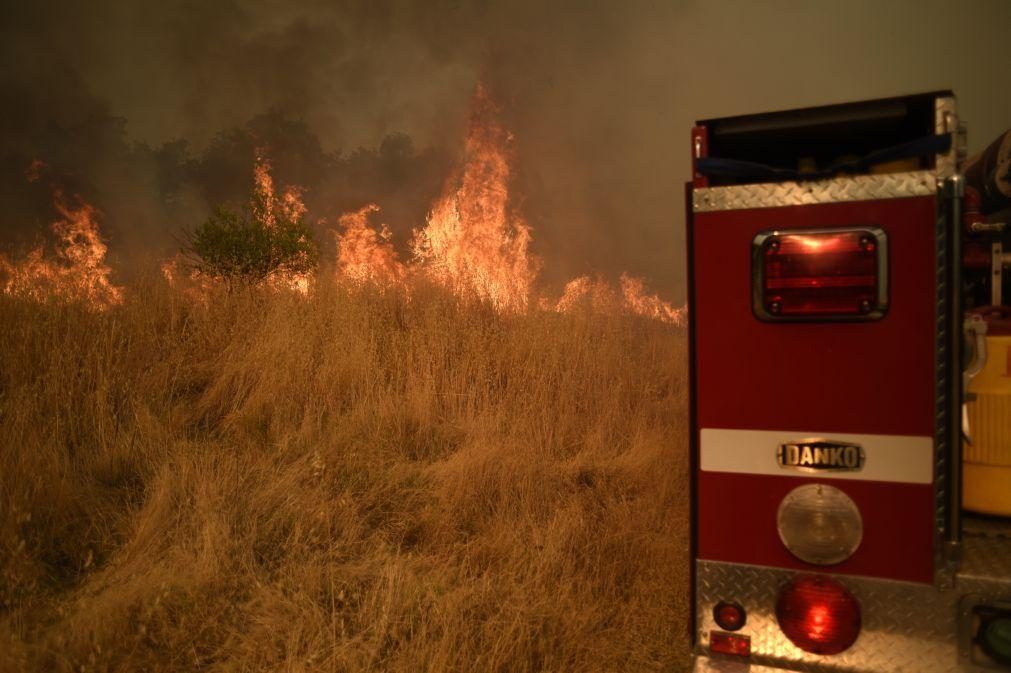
818, 614
820, 274
730, 643
729, 616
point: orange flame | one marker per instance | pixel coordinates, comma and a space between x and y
365, 254
267, 206
78, 272
638, 301
263, 191
629, 297
181, 276
476, 245
473, 243
291, 203
586, 292
266, 203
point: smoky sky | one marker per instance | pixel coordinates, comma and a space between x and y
153, 110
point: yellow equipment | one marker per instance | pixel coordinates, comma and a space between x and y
986, 470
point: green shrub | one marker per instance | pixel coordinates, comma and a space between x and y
249, 246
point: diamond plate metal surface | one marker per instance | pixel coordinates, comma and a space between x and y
728, 665
851, 188
906, 626
986, 545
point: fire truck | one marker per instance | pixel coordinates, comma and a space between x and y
850, 349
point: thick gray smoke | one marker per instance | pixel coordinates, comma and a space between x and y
155, 113
153, 110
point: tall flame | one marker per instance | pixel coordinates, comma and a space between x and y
477, 245
267, 207
365, 254
473, 242
78, 272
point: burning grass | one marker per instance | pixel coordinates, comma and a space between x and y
349, 481
79, 272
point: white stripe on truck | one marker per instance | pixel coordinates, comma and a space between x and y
896, 458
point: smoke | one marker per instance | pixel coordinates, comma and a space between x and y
154, 112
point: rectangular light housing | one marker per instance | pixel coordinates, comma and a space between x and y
820, 274
730, 643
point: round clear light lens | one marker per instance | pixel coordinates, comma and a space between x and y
819, 524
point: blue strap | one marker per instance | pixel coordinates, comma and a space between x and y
715, 166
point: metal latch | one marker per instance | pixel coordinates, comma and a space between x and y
998, 260
974, 328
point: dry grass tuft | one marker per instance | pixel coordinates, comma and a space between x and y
353, 482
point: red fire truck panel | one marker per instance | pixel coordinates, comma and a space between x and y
818, 379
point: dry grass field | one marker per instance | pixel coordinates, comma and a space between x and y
352, 481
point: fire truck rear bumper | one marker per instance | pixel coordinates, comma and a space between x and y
708, 665
905, 626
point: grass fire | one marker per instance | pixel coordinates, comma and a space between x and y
354, 336
409, 456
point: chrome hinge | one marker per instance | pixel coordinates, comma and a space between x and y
952, 187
